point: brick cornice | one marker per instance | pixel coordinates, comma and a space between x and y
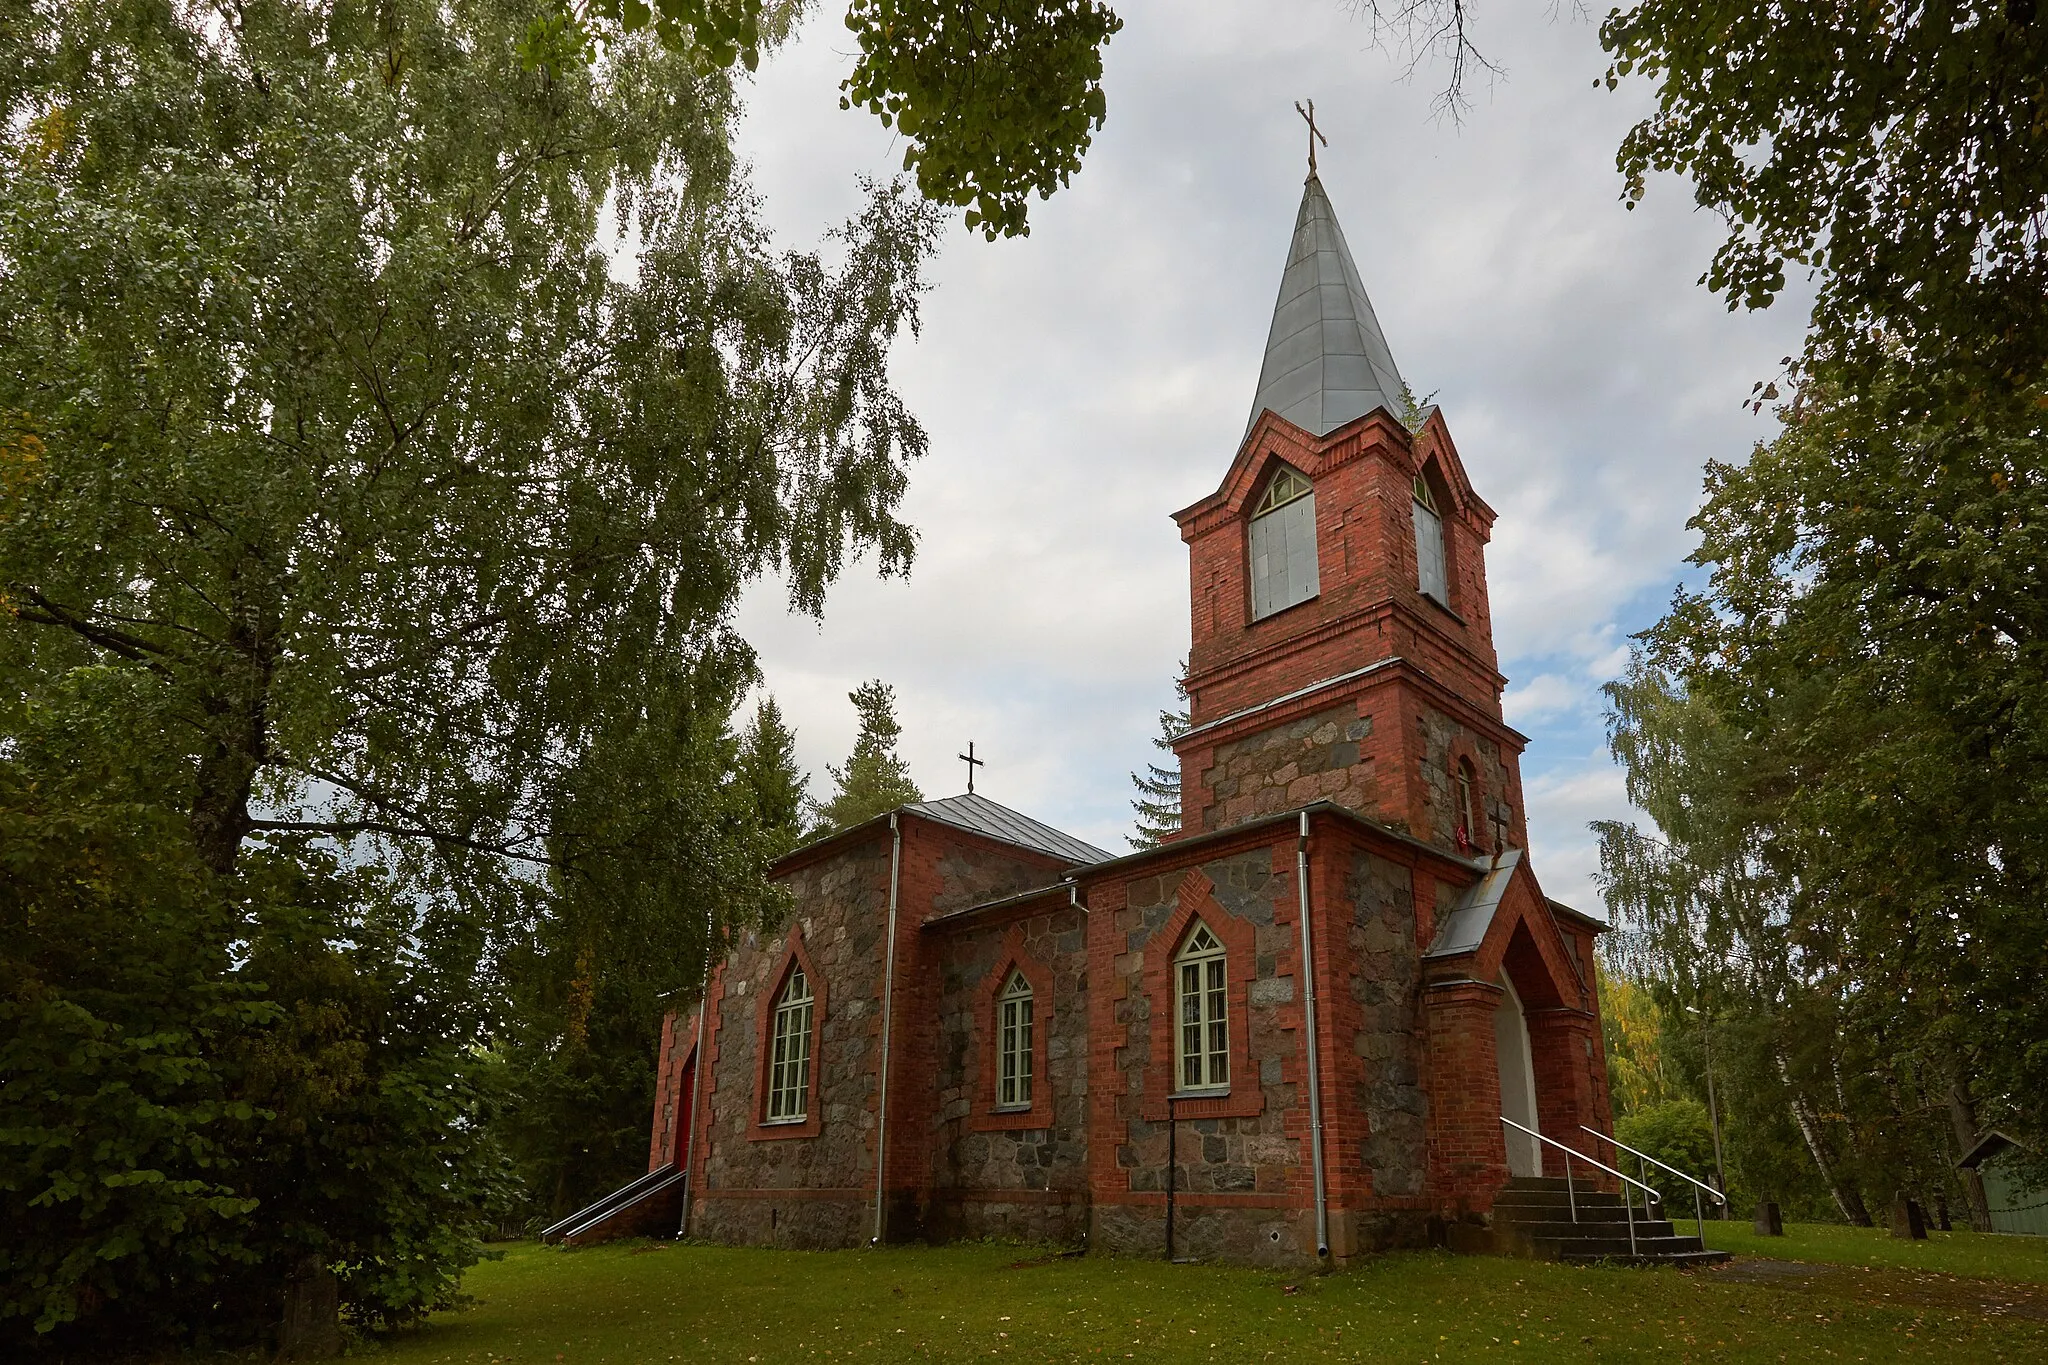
1314, 697
1273, 435
1264, 654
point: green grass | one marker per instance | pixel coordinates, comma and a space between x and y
1982, 1255
650, 1302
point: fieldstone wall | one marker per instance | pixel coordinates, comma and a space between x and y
1385, 968
1247, 1155
809, 1191
975, 1164
1443, 740
1316, 757
1276, 1237
967, 871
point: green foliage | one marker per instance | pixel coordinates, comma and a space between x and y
767, 767
1158, 800
1640, 1070
997, 98
875, 778
383, 545
206, 1081
1837, 738
119, 1123
1900, 150
1675, 1132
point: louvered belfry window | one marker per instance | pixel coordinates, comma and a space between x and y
1013, 1027
1283, 544
1204, 1014
789, 1066
1429, 545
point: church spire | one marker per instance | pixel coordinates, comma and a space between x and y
1326, 359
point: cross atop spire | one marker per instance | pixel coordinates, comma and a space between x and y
1315, 134
1326, 359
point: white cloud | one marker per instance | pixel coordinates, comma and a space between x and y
1082, 383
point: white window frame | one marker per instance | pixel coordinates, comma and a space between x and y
1281, 544
1432, 577
1014, 1024
1201, 993
789, 1060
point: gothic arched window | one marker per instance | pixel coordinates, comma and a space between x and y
1283, 544
1429, 545
1204, 1013
789, 1068
1013, 1033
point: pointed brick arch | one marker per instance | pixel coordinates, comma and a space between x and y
986, 1118
794, 954
1196, 900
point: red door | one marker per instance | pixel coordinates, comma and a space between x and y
684, 1111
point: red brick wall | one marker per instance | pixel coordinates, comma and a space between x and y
1436, 694
1468, 1157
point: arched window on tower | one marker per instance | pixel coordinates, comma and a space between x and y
1283, 544
1429, 545
1467, 814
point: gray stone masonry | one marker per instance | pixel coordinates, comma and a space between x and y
1239, 1155
1291, 765
974, 1164
1385, 971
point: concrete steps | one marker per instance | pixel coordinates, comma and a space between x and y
1543, 1218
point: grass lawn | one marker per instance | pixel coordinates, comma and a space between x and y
658, 1302
1983, 1255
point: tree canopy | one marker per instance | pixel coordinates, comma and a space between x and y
386, 538
995, 99
875, 778
1901, 150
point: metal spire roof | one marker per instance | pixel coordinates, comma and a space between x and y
1326, 359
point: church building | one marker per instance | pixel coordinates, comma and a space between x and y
1320, 1021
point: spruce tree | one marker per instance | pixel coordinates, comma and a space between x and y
875, 778
1158, 802
767, 769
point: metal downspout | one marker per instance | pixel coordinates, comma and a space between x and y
1315, 1070
696, 1080
888, 1019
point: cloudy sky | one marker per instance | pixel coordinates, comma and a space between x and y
1083, 382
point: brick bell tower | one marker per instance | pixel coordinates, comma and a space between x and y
1342, 640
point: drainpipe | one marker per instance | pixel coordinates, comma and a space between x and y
1315, 1071
888, 1018
696, 1079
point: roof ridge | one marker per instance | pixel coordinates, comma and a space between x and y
986, 816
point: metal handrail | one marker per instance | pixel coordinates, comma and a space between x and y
1698, 1213
1719, 1198
1571, 1194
